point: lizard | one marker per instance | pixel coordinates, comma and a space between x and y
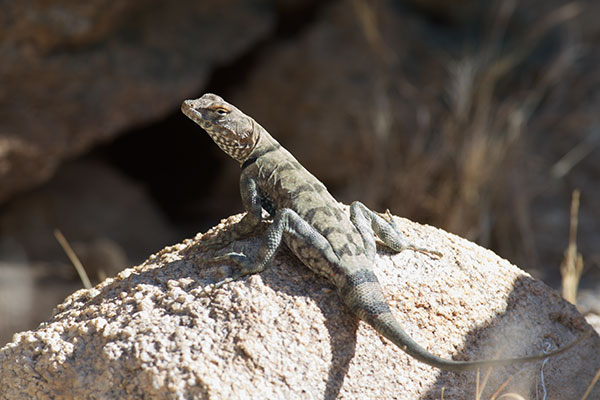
313, 225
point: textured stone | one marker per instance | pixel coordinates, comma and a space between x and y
285, 334
74, 74
109, 221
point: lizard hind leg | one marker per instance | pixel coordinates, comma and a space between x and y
368, 222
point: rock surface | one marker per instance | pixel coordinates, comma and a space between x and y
73, 74
109, 220
151, 333
392, 91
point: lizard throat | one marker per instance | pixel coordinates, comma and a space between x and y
228, 142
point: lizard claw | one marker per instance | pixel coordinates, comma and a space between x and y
238, 259
388, 214
423, 250
209, 288
392, 221
428, 252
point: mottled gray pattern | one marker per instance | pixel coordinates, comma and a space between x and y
312, 224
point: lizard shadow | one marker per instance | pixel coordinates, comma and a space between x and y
533, 318
339, 321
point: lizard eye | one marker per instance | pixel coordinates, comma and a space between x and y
222, 111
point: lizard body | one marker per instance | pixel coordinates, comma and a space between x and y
308, 219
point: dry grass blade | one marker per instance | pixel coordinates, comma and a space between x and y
511, 396
576, 154
367, 17
501, 388
73, 258
558, 16
572, 265
479, 391
592, 384
479, 387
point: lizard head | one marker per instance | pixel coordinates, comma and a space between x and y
232, 130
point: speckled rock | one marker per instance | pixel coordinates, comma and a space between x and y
74, 74
151, 332
109, 220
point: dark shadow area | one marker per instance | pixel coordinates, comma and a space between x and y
175, 160
511, 334
169, 165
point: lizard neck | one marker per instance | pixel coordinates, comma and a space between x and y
264, 144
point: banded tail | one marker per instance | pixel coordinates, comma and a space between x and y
362, 294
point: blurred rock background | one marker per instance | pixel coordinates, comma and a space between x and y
479, 117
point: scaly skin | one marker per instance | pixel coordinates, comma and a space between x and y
312, 224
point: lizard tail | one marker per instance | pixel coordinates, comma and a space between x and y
362, 293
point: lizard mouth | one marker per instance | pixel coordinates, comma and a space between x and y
187, 107
236, 135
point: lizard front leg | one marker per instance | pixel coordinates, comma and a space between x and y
286, 221
368, 222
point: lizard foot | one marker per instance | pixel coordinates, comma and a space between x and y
243, 264
395, 227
